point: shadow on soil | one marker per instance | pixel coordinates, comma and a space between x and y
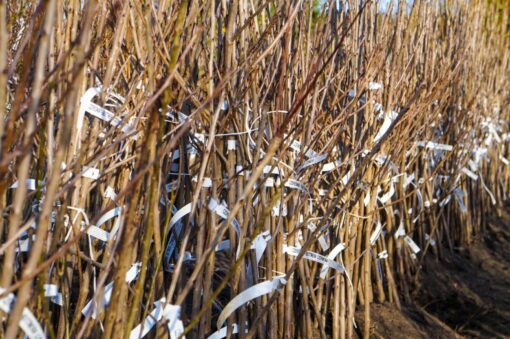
466, 294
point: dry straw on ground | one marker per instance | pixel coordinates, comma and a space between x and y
263, 166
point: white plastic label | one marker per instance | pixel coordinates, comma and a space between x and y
131, 275
251, 293
469, 173
410, 242
331, 256
223, 212
294, 251
28, 322
313, 161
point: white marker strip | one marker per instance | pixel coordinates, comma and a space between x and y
269, 182
366, 200
206, 183
386, 196
330, 166
91, 173
30, 183
260, 244
401, 231
435, 146
28, 322
313, 161
110, 193
428, 238
408, 179
279, 209
469, 173
272, 169
245, 296
322, 240
185, 210
172, 242
388, 120
131, 275
296, 146
382, 255
331, 256
223, 212
291, 183
99, 233
220, 334
376, 233
169, 312
231, 145
51, 291
294, 251
459, 194
473, 165
374, 86
410, 242
504, 160
224, 245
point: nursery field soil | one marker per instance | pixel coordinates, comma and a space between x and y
466, 294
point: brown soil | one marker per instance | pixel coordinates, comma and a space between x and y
465, 294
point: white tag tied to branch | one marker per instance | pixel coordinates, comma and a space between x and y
313, 161
223, 212
28, 322
347, 177
366, 200
386, 196
110, 193
249, 294
207, 182
87, 106
131, 275
504, 160
279, 209
377, 232
382, 255
435, 146
473, 165
401, 231
269, 182
459, 194
231, 145
445, 201
259, 244
408, 179
171, 313
429, 238
177, 222
322, 239
330, 166
51, 291
388, 120
469, 173
291, 183
222, 333
272, 169
374, 86
91, 173
296, 146
30, 184
294, 251
99, 233
410, 242
331, 256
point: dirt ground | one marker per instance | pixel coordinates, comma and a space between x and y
465, 295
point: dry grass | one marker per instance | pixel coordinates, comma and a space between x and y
307, 123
